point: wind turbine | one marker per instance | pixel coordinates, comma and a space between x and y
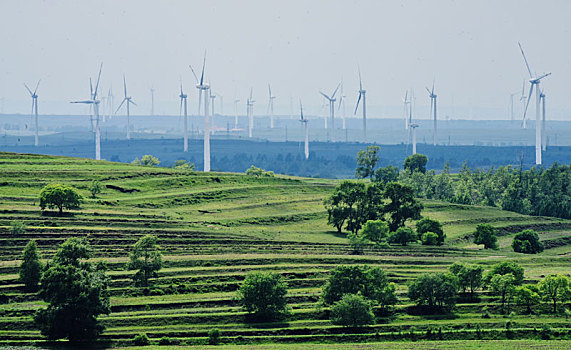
183, 101
406, 106
522, 99
433, 96
93, 101
152, 101
305, 123
342, 99
413, 127
236, 113
202, 86
362, 95
331, 111
212, 98
543, 131
34, 97
534, 82
250, 110
512, 105
129, 100
271, 106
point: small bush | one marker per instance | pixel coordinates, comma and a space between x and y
258, 172
214, 336
17, 227
95, 188
166, 341
429, 238
352, 311
527, 242
357, 243
141, 340
403, 235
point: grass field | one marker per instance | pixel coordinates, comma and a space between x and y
214, 228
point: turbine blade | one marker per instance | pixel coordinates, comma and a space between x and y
525, 59
427, 89
360, 82
133, 102
120, 105
90, 89
38, 84
251, 91
30, 91
180, 109
97, 84
337, 88
543, 76
125, 85
432, 87
359, 100
203, 65
528, 99
324, 95
193, 73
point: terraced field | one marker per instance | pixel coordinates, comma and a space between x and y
214, 228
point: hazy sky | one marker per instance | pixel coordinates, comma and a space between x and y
469, 48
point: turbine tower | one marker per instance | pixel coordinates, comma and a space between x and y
413, 127
93, 101
212, 98
236, 113
534, 83
152, 101
129, 101
406, 106
305, 123
250, 110
34, 97
433, 96
522, 99
512, 105
362, 95
271, 106
331, 112
342, 99
203, 87
543, 131
183, 102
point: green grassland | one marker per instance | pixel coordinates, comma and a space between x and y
214, 228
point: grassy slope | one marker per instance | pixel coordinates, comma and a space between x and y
216, 227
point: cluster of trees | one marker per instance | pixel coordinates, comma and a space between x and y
258, 172
355, 294
526, 241
76, 289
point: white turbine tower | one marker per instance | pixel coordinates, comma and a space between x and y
534, 82
305, 123
543, 131
512, 105
342, 99
236, 113
183, 103
433, 109
203, 87
271, 106
152, 101
406, 107
250, 109
129, 101
212, 98
413, 127
34, 97
523, 99
93, 101
362, 95
331, 112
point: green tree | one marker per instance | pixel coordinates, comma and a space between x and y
357, 242
59, 196
504, 268
429, 238
352, 311
527, 296
95, 188
402, 236
555, 288
429, 225
375, 230
435, 290
371, 282
386, 174
486, 234
527, 242
503, 286
17, 227
264, 295
76, 293
149, 160
402, 205
367, 161
469, 277
147, 258
415, 162
183, 164
31, 267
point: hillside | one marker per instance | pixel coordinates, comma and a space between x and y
216, 227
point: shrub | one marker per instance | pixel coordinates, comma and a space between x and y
486, 234
214, 336
504, 268
527, 242
375, 230
263, 295
469, 276
59, 196
429, 238
403, 235
31, 267
17, 227
357, 242
415, 162
352, 311
183, 164
435, 290
428, 225
166, 341
258, 172
141, 340
95, 188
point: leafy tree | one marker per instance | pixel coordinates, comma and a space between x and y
504, 268
527, 296
371, 282
357, 242
183, 164
263, 294
486, 234
415, 162
555, 288
352, 311
469, 276
258, 172
145, 257
402, 205
31, 267
149, 160
386, 174
76, 293
435, 290
17, 227
527, 242
59, 196
375, 230
367, 161
429, 225
403, 235
429, 238
95, 188
504, 286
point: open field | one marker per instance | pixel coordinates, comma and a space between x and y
214, 228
